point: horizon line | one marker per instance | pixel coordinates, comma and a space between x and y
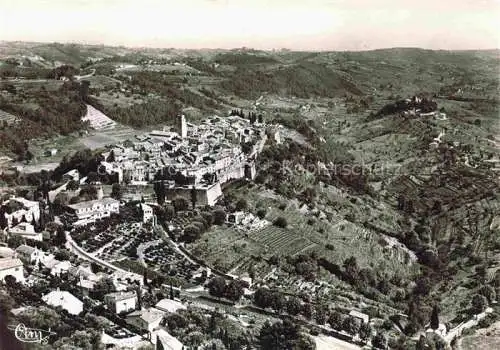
132, 47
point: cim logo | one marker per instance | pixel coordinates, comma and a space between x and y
31, 335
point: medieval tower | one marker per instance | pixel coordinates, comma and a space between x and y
181, 126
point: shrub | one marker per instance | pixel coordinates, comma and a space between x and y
261, 213
280, 222
219, 216
241, 204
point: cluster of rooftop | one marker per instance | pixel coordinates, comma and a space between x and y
189, 156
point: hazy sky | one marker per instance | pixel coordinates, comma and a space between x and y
266, 24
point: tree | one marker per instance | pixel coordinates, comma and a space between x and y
365, 331
261, 213
104, 286
234, 290
3, 220
321, 313
111, 157
180, 203
169, 212
350, 325
379, 341
62, 254
92, 177
283, 335
207, 218
7, 303
95, 268
73, 185
15, 241
280, 222
351, 268
335, 319
194, 197
217, 286
435, 318
219, 216
60, 238
293, 306
116, 191
263, 297
160, 191
478, 303
191, 233
10, 280
241, 204
489, 293
279, 302
145, 277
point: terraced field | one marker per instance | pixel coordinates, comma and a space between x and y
7, 117
276, 240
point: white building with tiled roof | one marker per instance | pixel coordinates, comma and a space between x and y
95, 209
64, 299
121, 301
148, 319
25, 230
13, 267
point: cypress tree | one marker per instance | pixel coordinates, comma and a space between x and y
435, 318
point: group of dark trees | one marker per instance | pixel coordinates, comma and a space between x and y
27, 71
424, 104
200, 224
42, 114
148, 112
200, 220
252, 116
194, 328
232, 290
319, 312
267, 298
85, 161
283, 336
303, 80
281, 162
154, 110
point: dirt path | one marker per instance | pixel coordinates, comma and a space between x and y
488, 338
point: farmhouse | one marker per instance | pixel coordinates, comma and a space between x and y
11, 267
64, 299
25, 230
148, 319
28, 255
121, 301
96, 209
19, 209
57, 267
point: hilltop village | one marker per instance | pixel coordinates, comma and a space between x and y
245, 199
120, 235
